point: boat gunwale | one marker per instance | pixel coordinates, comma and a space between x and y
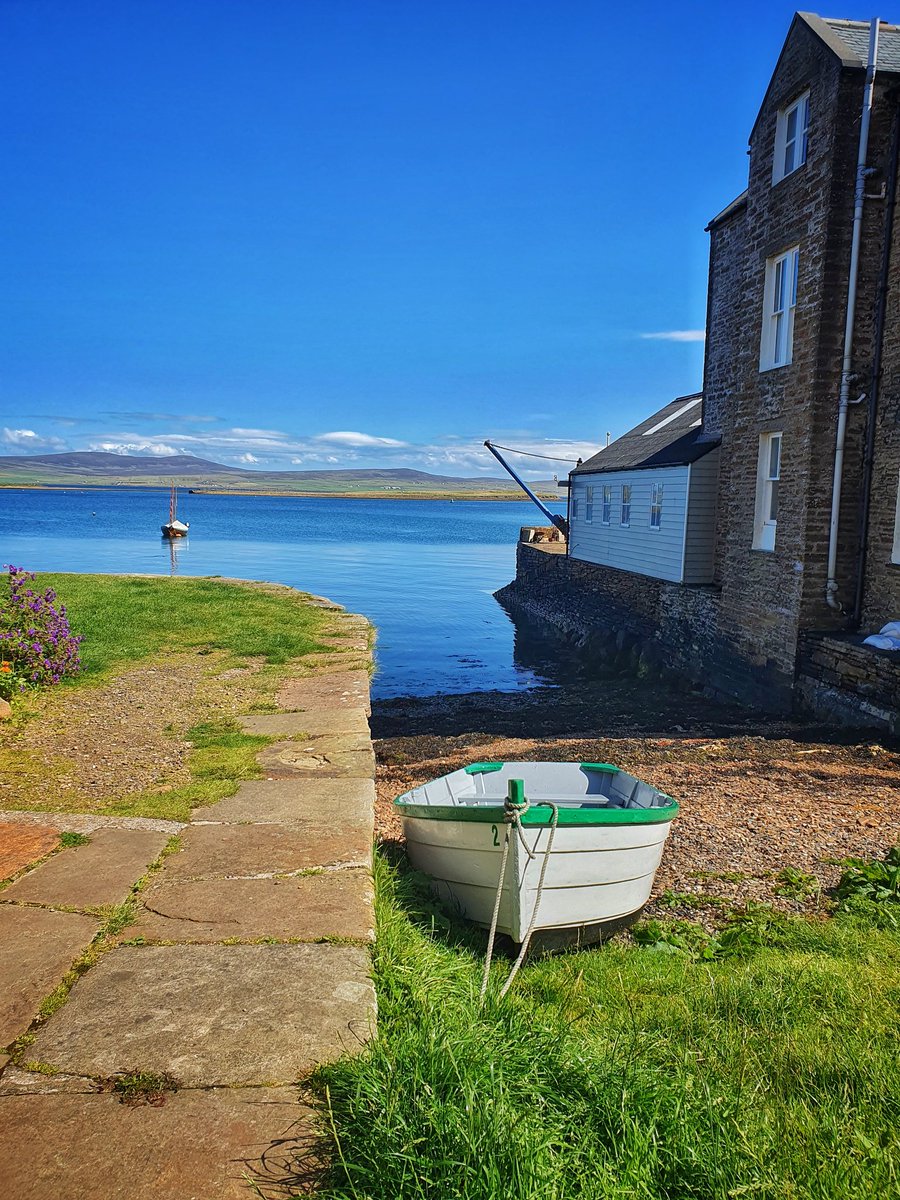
540, 816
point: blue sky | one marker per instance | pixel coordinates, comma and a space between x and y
320, 233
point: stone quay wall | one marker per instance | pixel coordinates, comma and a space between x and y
635, 623
848, 683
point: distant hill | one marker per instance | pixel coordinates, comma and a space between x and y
101, 469
102, 463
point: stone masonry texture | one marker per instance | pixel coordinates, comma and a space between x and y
743, 636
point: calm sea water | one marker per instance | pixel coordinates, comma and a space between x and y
423, 571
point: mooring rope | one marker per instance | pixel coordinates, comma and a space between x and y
513, 811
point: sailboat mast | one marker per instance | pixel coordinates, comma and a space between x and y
172, 505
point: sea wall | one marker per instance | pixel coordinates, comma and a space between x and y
629, 622
847, 683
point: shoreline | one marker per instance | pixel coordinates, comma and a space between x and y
518, 497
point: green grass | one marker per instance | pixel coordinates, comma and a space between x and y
126, 620
69, 839
221, 757
623, 1072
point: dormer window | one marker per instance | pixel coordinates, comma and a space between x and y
791, 137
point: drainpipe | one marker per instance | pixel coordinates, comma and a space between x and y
831, 586
880, 312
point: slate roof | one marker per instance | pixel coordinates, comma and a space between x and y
672, 437
850, 41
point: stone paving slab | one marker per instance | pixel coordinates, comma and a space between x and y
210, 851
351, 719
37, 947
344, 802
88, 822
334, 904
347, 756
22, 845
198, 1145
326, 690
102, 872
213, 1015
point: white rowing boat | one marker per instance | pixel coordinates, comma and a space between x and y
604, 829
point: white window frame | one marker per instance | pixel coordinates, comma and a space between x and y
779, 303
606, 504
768, 478
895, 552
625, 514
589, 505
575, 505
791, 139
656, 505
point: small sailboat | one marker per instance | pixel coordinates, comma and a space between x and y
583, 842
174, 528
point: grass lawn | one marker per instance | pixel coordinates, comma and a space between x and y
769, 1072
127, 619
147, 728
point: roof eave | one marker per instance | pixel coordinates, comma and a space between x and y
585, 469
737, 204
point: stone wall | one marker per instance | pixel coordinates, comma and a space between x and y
848, 683
637, 623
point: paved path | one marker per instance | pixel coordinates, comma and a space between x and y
248, 965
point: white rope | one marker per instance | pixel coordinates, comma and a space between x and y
554, 821
512, 816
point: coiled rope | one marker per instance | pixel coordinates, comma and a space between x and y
514, 808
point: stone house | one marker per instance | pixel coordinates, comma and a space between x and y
788, 558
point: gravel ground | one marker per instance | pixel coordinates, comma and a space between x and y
99, 743
757, 795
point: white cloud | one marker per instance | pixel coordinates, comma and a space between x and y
357, 439
27, 439
677, 335
157, 448
456, 454
274, 434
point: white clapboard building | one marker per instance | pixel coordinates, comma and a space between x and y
647, 502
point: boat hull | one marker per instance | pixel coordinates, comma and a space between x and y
596, 875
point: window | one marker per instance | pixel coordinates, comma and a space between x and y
791, 138
574, 504
589, 505
625, 518
656, 503
767, 482
606, 507
779, 302
895, 555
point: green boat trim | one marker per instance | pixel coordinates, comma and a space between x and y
483, 768
607, 767
493, 814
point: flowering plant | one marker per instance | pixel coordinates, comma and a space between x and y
36, 644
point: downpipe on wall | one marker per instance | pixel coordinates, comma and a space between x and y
831, 587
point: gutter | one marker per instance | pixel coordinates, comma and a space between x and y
831, 586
